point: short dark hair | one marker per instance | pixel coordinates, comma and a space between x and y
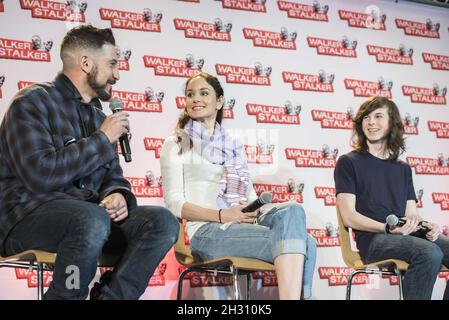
395, 143
87, 36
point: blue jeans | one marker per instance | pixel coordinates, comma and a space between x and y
78, 231
424, 257
282, 230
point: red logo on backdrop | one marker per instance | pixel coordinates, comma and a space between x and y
328, 237
24, 84
419, 29
441, 128
174, 67
260, 154
442, 199
437, 61
410, 124
33, 50
403, 55
343, 48
392, 280
181, 102
206, 280
315, 12
268, 278
2, 7
327, 194
292, 191
324, 158
158, 277
288, 114
218, 30
373, 20
333, 120
435, 95
363, 88
310, 82
145, 21
228, 107
148, 187
154, 144
2, 81
259, 75
142, 102
432, 166
65, 11
123, 57
246, 5
31, 277
338, 276
269, 39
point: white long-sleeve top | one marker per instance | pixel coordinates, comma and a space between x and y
190, 178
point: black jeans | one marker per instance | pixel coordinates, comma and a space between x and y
80, 231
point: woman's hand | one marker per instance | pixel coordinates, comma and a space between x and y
235, 214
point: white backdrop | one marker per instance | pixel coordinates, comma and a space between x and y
389, 48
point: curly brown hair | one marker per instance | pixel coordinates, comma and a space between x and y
395, 142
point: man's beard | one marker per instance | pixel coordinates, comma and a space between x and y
99, 89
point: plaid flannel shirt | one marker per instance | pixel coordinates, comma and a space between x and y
51, 148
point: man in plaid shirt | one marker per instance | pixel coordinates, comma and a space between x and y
61, 185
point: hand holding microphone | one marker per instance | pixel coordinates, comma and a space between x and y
116, 127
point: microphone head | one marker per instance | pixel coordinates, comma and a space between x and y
392, 220
266, 197
116, 105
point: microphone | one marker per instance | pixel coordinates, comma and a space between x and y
264, 198
395, 221
116, 105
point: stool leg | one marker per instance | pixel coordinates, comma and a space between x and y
399, 275
40, 281
180, 281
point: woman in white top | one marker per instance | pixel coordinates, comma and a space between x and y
206, 181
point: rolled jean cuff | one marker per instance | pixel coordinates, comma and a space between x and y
290, 246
